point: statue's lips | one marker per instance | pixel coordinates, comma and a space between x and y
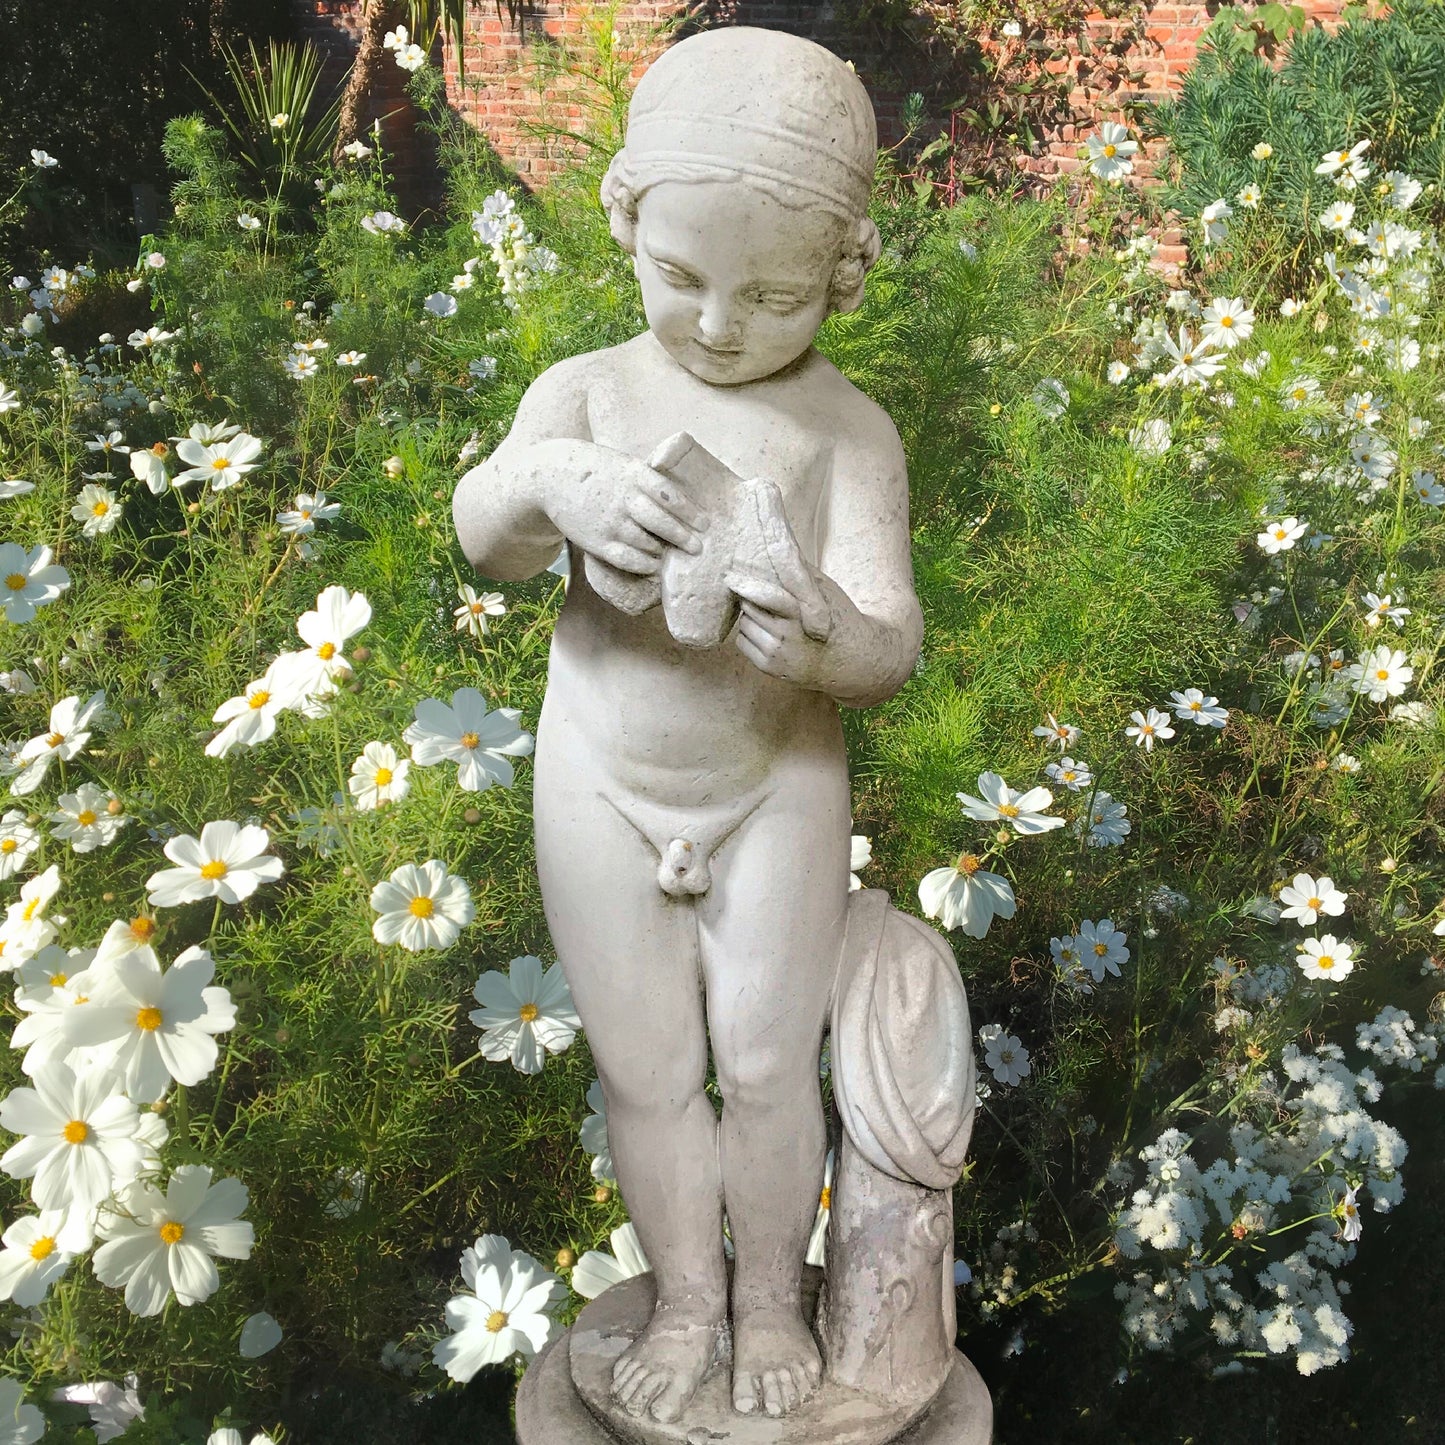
718, 350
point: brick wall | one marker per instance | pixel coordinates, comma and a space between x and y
1118, 64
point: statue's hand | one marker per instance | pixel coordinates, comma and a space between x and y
786, 619
625, 513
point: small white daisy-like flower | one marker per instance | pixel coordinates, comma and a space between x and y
964, 895
472, 615
309, 510
1280, 536
247, 222
223, 461
1307, 898
1070, 774
1111, 152
525, 1014
480, 742
1226, 322
1000, 803
506, 1312
1327, 957
301, 366
860, 855
1194, 706
38, 1249
421, 906
1101, 948
1147, 729
597, 1270
1381, 673
71, 722
594, 1135
164, 1243
98, 509
28, 580
350, 358
228, 861
1060, 734
1117, 372
1004, 1054
383, 223
18, 840
378, 777
440, 304
89, 818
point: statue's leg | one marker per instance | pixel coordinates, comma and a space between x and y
771, 928
630, 955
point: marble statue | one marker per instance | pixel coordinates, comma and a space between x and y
737, 516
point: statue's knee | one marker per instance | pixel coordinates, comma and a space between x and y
765, 1083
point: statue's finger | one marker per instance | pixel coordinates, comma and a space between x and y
762, 592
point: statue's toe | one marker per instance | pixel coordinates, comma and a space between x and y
745, 1393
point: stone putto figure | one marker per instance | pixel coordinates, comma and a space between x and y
737, 517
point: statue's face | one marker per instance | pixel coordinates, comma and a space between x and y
734, 284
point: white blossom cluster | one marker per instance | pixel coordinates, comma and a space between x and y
1394, 1038
515, 252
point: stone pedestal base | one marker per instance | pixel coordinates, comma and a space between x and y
574, 1371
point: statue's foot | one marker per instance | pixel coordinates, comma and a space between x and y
660, 1370
776, 1365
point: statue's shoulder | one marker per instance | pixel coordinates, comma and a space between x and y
856, 419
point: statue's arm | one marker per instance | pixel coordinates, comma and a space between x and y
500, 507
867, 567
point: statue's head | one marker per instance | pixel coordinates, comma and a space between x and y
742, 196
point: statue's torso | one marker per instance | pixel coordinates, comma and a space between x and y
679, 723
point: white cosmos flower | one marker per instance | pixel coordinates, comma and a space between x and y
9, 400
1193, 366
19, 1423
70, 724
411, 57
158, 1025
597, 1270
378, 777
505, 1313
1426, 488
28, 580
421, 906
860, 855
1214, 218
14, 487
17, 681
223, 462
594, 1134
357, 150
1227, 322
37, 1250
817, 1251
1383, 609
1051, 397
247, 222
312, 674
1147, 729
1326, 957
113, 1407
98, 509
208, 433
18, 840
79, 1136
1116, 373
89, 818
1107, 821
309, 510
1070, 774
1060, 734
1004, 1054
1101, 948
52, 982
26, 928
1111, 151
1000, 803
965, 896
1306, 898
1194, 706
228, 861
1151, 438
1381, 673
525, 1014
1280, 536
383, 223
479, 742
472, 615
1334, 161
251, 718
440, 304
350, 358
300, 367
1338, 216
158, 1243
148, 465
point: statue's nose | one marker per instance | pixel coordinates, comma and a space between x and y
718, 326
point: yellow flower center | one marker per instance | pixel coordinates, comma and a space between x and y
57, 980
1313, 903
1069, 775
54, 740
306, 513
1299, 393
76, 1132
220, 464
214, 869
160, 449
421, 907
100, 509
968, 864
383, 777
1195, 706
1146, 728
142, 929
528, 1013
148, 1019
43, 1248
1226, 321
1188, 358
1008, 810
15, 581
1111, 150
259, 698
172, 1232
32, 908
85, 817
8, 845
1101, 949
497, 1321
470, 740
326, 651
825, 1199
1383, 673
1325, 962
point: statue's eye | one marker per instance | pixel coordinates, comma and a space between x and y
674, 276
